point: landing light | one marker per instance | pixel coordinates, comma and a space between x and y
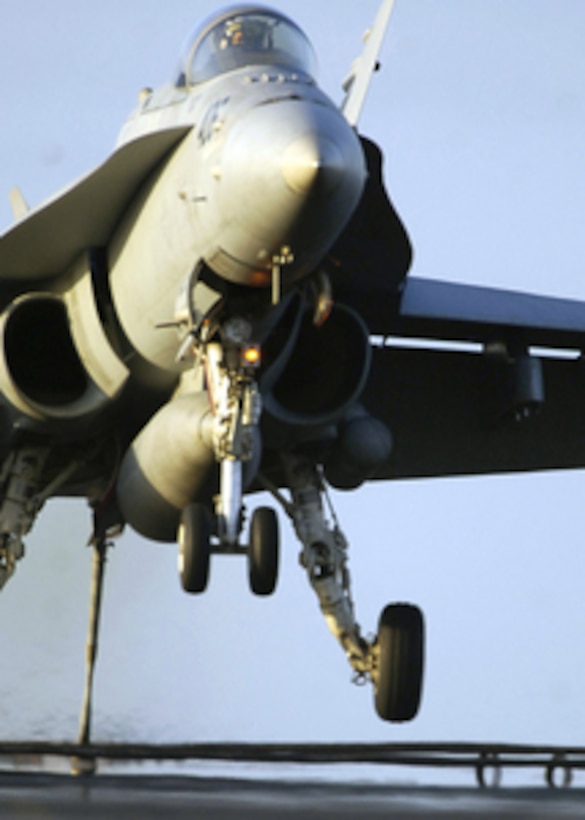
251, 355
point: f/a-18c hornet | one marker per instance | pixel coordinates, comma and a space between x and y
191, 324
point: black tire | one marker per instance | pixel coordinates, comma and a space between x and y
194, 548
263, 551
400, 663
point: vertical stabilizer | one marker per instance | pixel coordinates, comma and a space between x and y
18, 203
357, 82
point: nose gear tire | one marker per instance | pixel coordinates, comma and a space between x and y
263, 551
194, 547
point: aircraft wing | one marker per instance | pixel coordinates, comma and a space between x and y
463, 409
46, 240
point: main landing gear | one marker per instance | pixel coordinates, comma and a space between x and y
393, 661
399, 660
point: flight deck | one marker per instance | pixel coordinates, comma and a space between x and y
223, 780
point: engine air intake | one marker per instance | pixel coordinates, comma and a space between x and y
325, 372
40, 353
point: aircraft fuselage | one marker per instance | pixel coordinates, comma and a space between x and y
269, 166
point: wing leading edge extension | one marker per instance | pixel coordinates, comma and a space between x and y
45, 241
494, 406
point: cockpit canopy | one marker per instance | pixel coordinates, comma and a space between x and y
241, 36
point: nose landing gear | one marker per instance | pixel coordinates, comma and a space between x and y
229, 369
263, 551
194, 537
196, 545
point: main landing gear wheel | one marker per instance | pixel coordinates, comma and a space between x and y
263, 551
194, 547
400, 663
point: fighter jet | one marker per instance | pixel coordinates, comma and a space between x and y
194, 322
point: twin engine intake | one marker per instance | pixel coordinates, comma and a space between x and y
59, 373
57, 367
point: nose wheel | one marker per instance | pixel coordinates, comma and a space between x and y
194, 538
263, 551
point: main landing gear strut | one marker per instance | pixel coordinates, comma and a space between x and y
393, 662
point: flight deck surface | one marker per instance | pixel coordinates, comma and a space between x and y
63, 796
300, 780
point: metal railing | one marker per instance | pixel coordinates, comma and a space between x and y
488, 760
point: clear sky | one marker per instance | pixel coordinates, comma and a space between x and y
480, 110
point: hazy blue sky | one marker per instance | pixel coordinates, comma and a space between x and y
480, 110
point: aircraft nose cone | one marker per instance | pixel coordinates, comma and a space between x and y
292, 173
312, 163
